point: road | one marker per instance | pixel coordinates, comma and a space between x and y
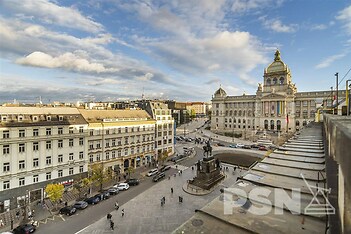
83, 218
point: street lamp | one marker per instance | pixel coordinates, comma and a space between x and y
348, 97
233, 129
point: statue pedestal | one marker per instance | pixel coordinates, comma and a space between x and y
208, 173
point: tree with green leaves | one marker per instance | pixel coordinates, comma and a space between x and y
98, 175
82, 185
130, 171
55, 192
162, 158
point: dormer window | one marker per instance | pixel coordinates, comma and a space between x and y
281, 80
60, 118
275, 81
48, 118
4, 118
20, 118
35, 118
268, 81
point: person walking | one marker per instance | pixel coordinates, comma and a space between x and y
112, 225
1, 223
109, 216
122, 212
116, 205
17, 214
172, 190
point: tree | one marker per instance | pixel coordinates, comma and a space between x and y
54, 192
82, 185
98, 175
163, 156
130, 171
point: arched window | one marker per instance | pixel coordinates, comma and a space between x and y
217, 112
268, 81
226, 113
272, 124
275, 81
281, 80
266, 124
297, 123
230, 112
239, 112
239, 120
235, 113
279, 123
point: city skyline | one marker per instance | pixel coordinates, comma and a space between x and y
108, 51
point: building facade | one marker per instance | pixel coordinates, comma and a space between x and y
120, 139
39, 146
276, 107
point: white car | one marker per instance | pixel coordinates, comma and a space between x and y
152, 172
239, 145
122, 186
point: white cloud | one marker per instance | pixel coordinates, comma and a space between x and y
243, 6
277, 26
51, 13
319, 27
145, 77
345, 16
68, 61
328, 61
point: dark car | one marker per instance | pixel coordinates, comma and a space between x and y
68, 210
263, 148
93, 200
158, 177
24, 229
220, 144
113, 191
165, 168
255, 146
133, 182
246, 147
104, 195
80, 205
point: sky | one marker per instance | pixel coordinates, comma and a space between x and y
114, 50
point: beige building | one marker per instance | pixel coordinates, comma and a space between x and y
276, 107
38, 146
198, 109
119, 139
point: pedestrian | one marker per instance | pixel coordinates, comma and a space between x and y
122, 212
192, 168
181, 172
17, 214
162, 202
66, 203
33, 214
177, 165
172, 190
119, 178
112, 225
116, 205
109, 216
1, 223
11, 224
29, 214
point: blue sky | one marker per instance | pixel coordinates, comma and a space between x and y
116, 50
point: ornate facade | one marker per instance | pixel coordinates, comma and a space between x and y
277, 106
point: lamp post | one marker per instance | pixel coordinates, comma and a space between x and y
233, 130
347, 97
331, 97
337, 90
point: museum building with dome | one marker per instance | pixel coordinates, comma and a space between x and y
276, 107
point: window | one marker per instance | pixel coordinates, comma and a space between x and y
35, 146
126, 152
48, 118
60, 158
21, 181
6, 134
35, 178
98, 146
91, 158
21, 148
71, 130
21, 165
81, 155
98, 158
48, 145
91, 132
81, 141
126, 129
36, 132
35, 162
6, 185
60, 143
6, 149
70, 142
60, 131
60, 118
48, 131
113, 142
81, 129
107, 155
59, 173
48, 175
114, 153
48, 160
81, 169
107, 144
70, 156
22, 133
6, 167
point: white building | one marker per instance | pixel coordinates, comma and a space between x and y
38, 146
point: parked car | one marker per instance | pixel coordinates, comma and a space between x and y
81, 205
104, 195
133, 182
220, 144
165, 168
122, 186
158, 177
255, 146
68, 210
239, 145
93, 200
113, 191
233, 146
152, 172
246, 147
263, 148
24, 229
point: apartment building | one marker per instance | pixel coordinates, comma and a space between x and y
38, 146
119, 139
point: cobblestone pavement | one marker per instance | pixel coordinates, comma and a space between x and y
144, 213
